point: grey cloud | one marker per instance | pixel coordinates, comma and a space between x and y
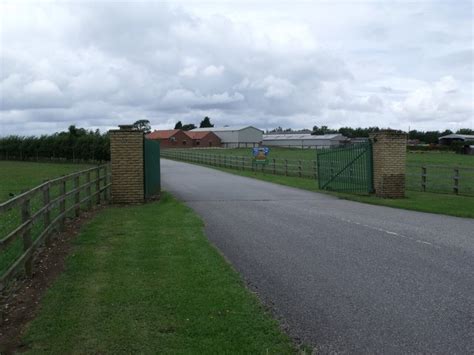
109, 63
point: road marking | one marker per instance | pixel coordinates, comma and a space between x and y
389, 232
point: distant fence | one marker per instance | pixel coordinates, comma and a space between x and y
49, 159
297, 168
30, 218
426, 178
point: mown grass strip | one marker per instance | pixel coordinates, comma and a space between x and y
145, 279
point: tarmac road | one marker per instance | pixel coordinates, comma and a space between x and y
341, 276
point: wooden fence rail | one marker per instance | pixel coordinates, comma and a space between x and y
296, 168
426, 178
79, 196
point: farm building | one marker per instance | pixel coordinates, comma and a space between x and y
177, 138
171, 138
204, 139
236, 137
447, 140
304, 140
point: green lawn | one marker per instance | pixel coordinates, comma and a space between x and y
145, 279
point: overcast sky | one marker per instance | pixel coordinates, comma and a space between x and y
396, 64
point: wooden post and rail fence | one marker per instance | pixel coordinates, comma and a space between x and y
30, 218
425, 178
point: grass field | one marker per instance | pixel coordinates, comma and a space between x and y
16, 177
145, 279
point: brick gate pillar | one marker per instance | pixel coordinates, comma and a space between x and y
389, 158
126, 156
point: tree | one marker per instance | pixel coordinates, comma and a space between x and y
206, 122
142, 125
188, 127
322, 130
178, 125
467, 131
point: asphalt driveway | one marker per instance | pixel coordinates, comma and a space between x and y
340, 275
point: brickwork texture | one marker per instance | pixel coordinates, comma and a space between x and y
126, 155
389, 158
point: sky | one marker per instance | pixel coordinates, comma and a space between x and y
97, 64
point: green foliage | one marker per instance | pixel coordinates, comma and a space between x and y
188, 127
460, 146
467, 131
206, 122
178, 125
142, 125
74, 144
322, 130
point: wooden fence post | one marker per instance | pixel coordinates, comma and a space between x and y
27, 242
62, 204
423, 178
299, 168
47, 213
105, 183
77, 197
88, 190
456, 181
97, 184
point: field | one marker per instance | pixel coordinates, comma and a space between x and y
16, 177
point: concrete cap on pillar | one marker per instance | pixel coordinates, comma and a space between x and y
126, 127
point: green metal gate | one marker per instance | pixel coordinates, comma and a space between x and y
347, 169
151, 160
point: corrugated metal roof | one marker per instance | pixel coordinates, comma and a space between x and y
302, 137
465, 137
223, 129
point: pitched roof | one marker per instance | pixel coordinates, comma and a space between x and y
197, 135
163, 134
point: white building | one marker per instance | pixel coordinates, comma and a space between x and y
236, 137
304, 140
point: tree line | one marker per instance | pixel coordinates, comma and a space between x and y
428, 137
76, 144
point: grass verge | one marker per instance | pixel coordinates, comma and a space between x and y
145, 279
453, 205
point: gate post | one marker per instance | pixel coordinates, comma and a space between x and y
389, 160
126, 157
